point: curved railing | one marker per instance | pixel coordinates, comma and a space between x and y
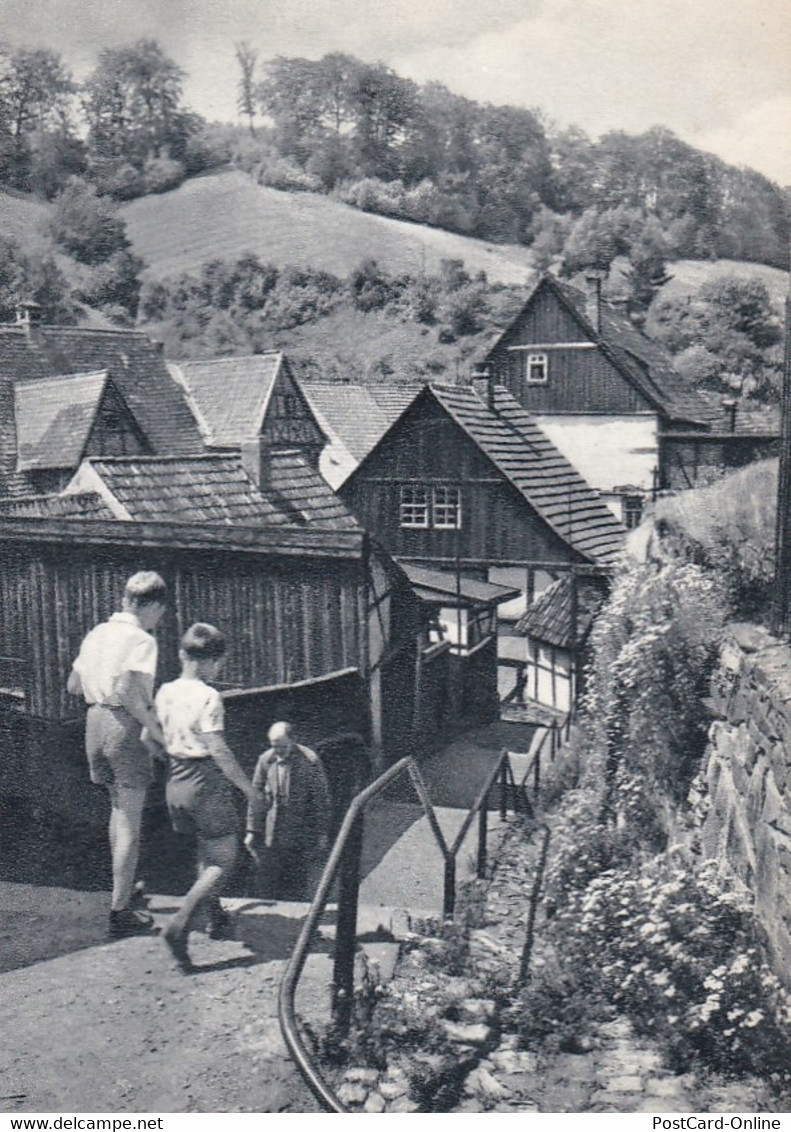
344, 863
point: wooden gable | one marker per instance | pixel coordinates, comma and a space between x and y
115, 431
427, 448
580, 374
288, 420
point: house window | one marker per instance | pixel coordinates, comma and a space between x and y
631, 511
537, 369
446, 507
414, 506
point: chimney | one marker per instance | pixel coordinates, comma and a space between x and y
483, 386
593, 282
731, 405
28, 316
257, 462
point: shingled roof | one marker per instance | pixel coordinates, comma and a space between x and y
228, 396
552, 486
354, 418
131, 360
54, 417
550, 618
213, 489
643, 362
82, 505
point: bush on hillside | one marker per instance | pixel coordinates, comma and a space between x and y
88, 227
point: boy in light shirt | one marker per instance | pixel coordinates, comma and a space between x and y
202, 776
115, 672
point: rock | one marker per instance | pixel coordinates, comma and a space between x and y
482, 1082
350, 1093
624, 1085
478, 1007
390, 1090
476, 1034
374, 1103
358, 1073
402, 1104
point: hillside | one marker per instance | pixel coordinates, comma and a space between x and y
690, 274
224, 214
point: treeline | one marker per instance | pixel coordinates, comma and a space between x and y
244, 305
125, 128
385, 144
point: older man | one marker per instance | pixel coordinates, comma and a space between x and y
289, 819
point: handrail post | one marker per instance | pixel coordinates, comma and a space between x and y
483, 818
503, 789
537, 777
449, 891
346, 927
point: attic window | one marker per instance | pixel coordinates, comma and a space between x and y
446, 506
414, 506
537, 372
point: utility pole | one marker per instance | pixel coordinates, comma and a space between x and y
781, 605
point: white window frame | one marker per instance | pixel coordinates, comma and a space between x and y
446, 508
537, 362
413, 511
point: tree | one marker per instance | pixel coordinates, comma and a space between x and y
35, 95
132, 104
647, 270
87, 226
247, 97
34, 277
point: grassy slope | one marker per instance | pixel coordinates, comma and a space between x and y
225, 214
690, 274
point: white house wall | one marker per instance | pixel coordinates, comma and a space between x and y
607, 451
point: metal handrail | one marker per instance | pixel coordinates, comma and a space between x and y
352, 824
554, 733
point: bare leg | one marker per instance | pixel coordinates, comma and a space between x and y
125, 818
217, 857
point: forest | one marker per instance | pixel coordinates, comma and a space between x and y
383, 143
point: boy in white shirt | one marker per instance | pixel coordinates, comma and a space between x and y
202, 774
115, 673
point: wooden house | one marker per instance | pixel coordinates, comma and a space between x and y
353, 418
608, 397
234, 399
466, 478
68, 392
555, 630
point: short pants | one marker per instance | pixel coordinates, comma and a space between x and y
201, 800
116, 755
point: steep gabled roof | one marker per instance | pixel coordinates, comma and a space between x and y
358, 415
133, 362
54, 417
228, 396
550, 619
642, 362
518, 448
213, 489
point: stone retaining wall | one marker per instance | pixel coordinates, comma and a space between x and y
748, 772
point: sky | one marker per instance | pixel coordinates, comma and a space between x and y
716, 72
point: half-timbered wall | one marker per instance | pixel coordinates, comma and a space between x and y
289, 421
580, 377
428, 448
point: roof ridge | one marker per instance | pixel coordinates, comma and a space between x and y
10, 327
59, 378
228, 358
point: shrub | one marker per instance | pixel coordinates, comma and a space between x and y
86, 225
675, 949
654, 645
161, 174
280, 173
